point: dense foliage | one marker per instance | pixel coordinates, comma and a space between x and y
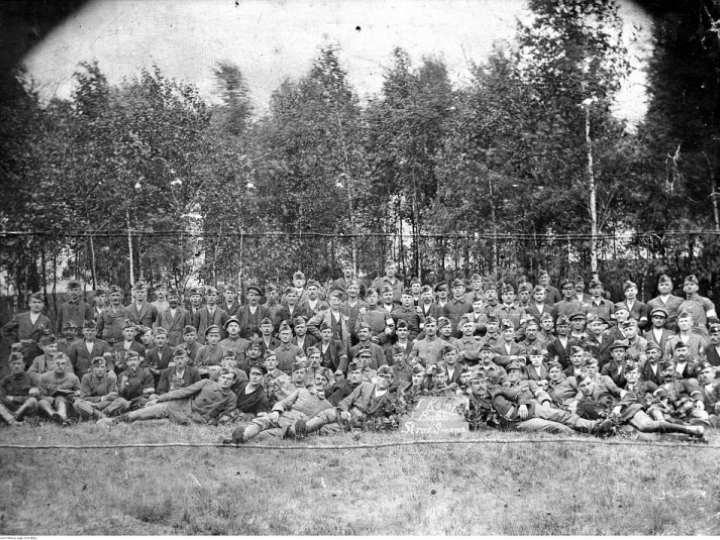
491, 176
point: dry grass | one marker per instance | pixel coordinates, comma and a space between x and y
466, 489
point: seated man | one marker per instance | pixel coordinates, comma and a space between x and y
344, 387
440, 387
19, 391
202, 402
136, 386
45, 362
275, 379
294, 410
251, 397
159, 357
229, 362
98, 390
524, 406
58, 388
628, 411
180, 375
367, 401
480, 410
411, 391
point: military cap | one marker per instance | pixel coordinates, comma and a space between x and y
364, 351
457, 283
254, 288
398, 349
531, 324
298, 275
312, 283
47, 340
553, 364
566, 281
255, 345
594, 283
210, 290
160, 331
37, 296
232, 319
290, 290
489, 286
384, 370
562, 320
338, 293
714, 327
312, 350
271, 287
659, 311
652, 345
545, 316
260, 367
493, 319
406, 292
269, 354
691, 279
173, 293
447, 348
265, 320
298, 365
69, 324
535, 351
578, 315
629, 323
507, 324
139, 286
664, 278
628, 284
463, 321
593, 317
98, 361
418, 369
402, 323
515, 365
685, 315
231, 288
430, 320
486, 347
363, 326
442, 322
212, 328
476, 277
426, 289
680, 345
195, 291
325, 326
620, 306
131, 353
619, 344
129, 324
300, 320
353, 366
99, 292
538, 289
179, 352
189, 329
478, 375
325, 373
574, 349
507, 288
284, 326
415, 280
90, 324
443, 285
347, 264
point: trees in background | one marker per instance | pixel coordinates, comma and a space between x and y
522, 167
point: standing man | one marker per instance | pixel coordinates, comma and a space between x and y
210, 315
174, 319
667, 301
162, 302
552, 296
342, 283
457, 306
252, 313
230, 303
390, 280
75, 309
112, 320
99, 303
195, 301
140, 311
702, 309
429, 349
27, 328
82, 352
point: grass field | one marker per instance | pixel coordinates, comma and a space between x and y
462, 488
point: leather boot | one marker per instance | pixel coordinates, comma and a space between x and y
695, 431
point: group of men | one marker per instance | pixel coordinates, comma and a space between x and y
340, 356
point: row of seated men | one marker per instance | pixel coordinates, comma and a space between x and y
531, 390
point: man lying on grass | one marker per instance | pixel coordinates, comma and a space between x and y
201, 402
628, 412
288, 416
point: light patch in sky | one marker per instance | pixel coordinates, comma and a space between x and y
272, 40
